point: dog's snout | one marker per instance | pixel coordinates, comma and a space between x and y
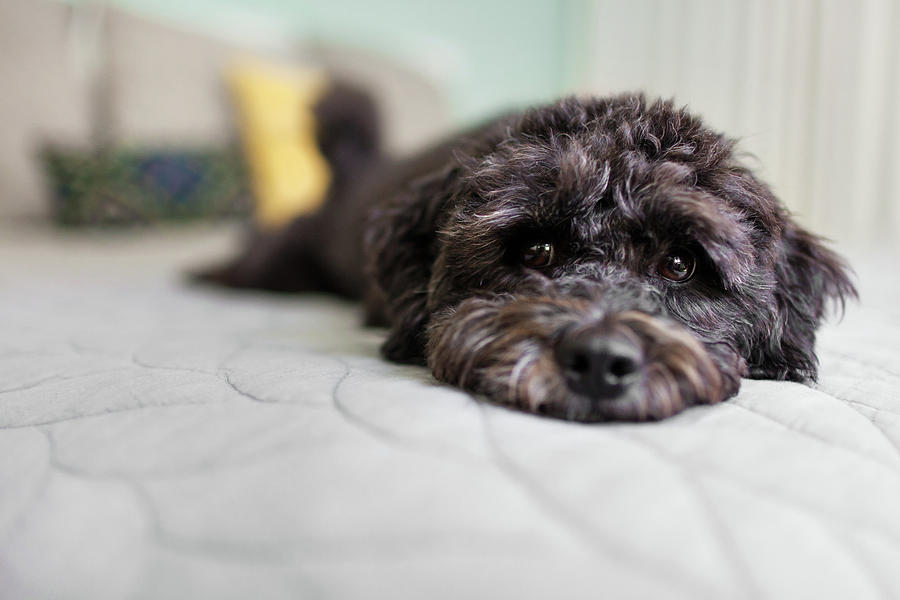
597, 365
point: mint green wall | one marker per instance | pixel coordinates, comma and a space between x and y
485, 55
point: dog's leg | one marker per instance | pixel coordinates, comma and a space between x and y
280, 261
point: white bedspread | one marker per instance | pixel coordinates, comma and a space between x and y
162, 441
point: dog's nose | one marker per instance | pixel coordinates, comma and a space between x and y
597, 365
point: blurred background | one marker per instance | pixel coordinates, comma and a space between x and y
140, 99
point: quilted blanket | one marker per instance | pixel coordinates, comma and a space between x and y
163, 441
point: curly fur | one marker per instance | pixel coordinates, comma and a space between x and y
615, 184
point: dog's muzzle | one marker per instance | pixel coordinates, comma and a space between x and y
584, 357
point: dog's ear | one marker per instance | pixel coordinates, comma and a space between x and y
809, 277
401, 246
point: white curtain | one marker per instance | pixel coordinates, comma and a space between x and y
811, 88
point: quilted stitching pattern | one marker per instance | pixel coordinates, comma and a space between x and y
161, 441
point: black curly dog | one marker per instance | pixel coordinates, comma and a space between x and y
603, 259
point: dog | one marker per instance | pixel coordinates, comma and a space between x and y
593, 259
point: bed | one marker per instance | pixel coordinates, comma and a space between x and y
159, 440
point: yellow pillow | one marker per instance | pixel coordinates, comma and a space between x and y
275, 114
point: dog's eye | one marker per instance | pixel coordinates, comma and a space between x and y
538, 256
678, 265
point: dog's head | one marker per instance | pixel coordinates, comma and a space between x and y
601, 259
